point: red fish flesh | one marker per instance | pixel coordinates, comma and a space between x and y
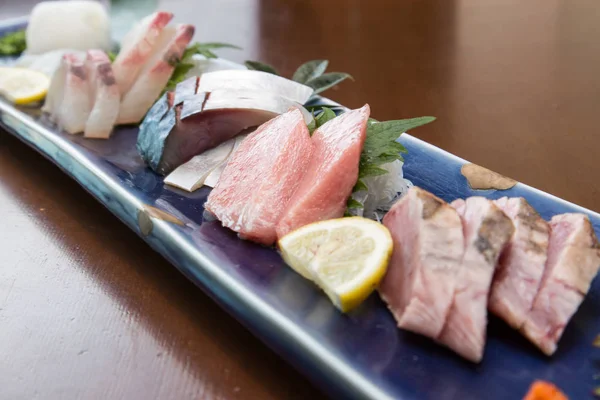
428, 250
332, 173
261, 176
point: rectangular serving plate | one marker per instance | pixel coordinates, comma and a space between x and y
360, 355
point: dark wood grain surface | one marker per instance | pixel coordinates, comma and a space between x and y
87, 310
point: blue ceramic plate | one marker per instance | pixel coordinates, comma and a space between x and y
359, 355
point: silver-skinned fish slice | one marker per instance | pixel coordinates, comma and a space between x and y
573, 263
418, 287
521, 264
105, 92
486, 230
68, 100
155, 75
137, 47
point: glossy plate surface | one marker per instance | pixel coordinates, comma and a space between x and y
359, 355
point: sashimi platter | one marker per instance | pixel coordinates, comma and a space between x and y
378, 265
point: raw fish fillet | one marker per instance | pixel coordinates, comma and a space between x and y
521, 264
486, 231
261, 177
250, 80
137, 47
573, 262
78, 25
105, 92
191, 175
68, 101
46, 63
333, 172
155, 74
423, 271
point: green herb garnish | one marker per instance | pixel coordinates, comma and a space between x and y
324, 116
111, 56
13, 44
258, 66
185, 64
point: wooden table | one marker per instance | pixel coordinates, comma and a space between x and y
87, 310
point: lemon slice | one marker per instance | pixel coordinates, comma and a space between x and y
22, 85
346, 257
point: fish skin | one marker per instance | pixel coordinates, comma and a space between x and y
572, 264
68, 101
333, 172
155, 75
137, 47
419, 284
105, 92
486, 231
261, 177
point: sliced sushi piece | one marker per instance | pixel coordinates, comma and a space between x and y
261, 177
46, 63
77, 25
213, 178
573, 263
202, 121
155, 74
486, 231
68, 101
105, 94
418, 287
521, 265
256, 81
137, 47
191, 175
333, 172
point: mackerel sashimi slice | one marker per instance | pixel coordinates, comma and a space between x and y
428, 248
573, 262
332, 173
486, 230
261, 177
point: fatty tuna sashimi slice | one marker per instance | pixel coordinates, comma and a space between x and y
137, 47
155, 75
486, 231
257, 81
68, 100
573, 263
418, 287
332, 173
521, 264
104, 93
261, 177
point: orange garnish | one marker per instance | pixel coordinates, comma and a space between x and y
542, 390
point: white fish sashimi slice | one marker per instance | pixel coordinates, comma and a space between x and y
213, 178
203, 65
137, 48
69, 100
191, 175
79, 25
247, 99
155, 75
105, 95
255, 81
46, 63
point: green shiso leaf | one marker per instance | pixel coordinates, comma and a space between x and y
327, 81
13, 44
310, 70
111, 56
258, 66
354, 204
325, 116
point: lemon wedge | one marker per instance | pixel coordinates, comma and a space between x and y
22, 85
345, 257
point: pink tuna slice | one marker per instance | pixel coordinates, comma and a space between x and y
68, 100
155, 75
521, 265
137, 47
486, 230
261, 176
332, 173
428, 248
573, 262
104, 93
